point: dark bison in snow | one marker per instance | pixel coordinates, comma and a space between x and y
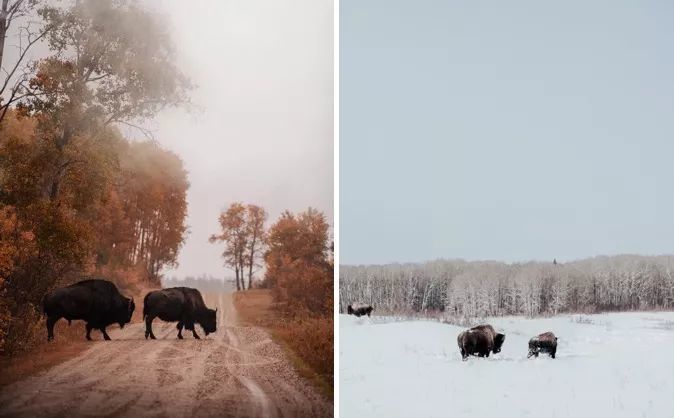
359, 309
182, 304
543, 343
480, 340
97, 302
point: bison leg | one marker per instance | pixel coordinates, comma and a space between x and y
553, 352
189, 325
180, 330
51, 321
148, 327
105, 334
89, 328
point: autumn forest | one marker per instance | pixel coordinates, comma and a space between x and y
80, 196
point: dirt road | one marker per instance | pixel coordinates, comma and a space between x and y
238, 371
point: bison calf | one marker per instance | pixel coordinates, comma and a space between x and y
479, 341
182, 304
543, 343
98, 302
359, 310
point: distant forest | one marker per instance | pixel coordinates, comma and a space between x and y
204, 283
488, 288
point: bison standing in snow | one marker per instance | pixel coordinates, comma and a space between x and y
543, 343
97, 302
359, 309
480, 340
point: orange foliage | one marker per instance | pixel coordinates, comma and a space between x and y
243, 234
299, 269
121, 207
16, 245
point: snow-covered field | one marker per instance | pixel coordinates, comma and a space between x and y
608, 365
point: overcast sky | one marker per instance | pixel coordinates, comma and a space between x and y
263, 132
505, 130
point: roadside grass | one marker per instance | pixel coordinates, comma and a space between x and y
308, 342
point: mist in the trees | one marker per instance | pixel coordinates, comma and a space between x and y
79, 196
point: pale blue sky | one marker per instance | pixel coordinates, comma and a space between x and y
500, 130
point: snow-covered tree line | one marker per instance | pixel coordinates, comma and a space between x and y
488, 288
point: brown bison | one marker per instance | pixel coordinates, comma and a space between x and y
543, 343
359, 310
96, 302
178, 304
480, 340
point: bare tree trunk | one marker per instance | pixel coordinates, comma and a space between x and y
61, 142
242, 268
3, 28
251, 260
250, 271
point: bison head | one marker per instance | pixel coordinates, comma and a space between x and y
533, 347
126, 314
532, 351
498, 342
209, 321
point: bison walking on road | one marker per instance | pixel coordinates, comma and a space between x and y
359, 310
480, 340
97, 302
543, 343
182, 304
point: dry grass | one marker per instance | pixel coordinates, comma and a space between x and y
308, 342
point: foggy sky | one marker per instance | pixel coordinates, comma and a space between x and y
263, 129
505, 130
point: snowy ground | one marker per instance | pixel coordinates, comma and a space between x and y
608, 365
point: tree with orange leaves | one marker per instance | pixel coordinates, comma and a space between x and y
244, 236
234, 235
299, 268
